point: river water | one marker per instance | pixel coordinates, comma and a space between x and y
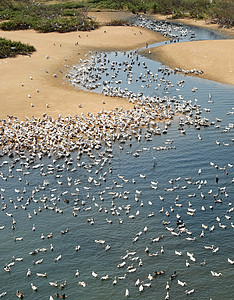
190, 162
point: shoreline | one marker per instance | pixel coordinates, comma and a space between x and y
62, 51
215, 58
229, 32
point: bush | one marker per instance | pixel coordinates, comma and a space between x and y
65, 25
222, 12
46, 18
28, 14
17, 24
9, 48
178, 14
119, 23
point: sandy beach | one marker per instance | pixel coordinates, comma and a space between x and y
215, 58
62, 52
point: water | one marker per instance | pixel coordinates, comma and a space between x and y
183, 161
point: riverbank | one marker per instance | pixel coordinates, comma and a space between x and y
45, 70
198, 55
215, 58
198, 23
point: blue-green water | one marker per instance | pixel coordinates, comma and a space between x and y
188, 155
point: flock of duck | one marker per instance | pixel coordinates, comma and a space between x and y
121, 203
64, 169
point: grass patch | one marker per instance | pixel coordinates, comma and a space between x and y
10, 48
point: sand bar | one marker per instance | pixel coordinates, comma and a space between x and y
61, 49
215, 58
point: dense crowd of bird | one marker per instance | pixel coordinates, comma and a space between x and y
116, 198
107, 203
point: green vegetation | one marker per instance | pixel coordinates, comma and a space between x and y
223, 13
70, 15
10, 49
61, 17
220, 11
119, 23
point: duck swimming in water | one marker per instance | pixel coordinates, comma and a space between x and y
62, 296
158, 273
173, 276
19, 295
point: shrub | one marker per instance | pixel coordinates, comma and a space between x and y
119, 23
10, 48
222, 12
46, 18
65, 25
178, 14
17, 24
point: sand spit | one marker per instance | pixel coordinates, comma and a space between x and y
215, 58
45, 70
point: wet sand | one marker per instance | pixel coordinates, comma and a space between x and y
215, 58
61, 49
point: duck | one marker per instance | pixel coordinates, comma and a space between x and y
7, 269
52, 283
19, 294
82, 283
3, 294
150, 277
105, 277
34, 288
182, 283
230, 261
42, 275
94, 274
173, 276
187, 263
62, 285
189, 292
158, 273
215, 274
62, 296
203, 263
127, 293
167, 297
58, 258
141, 288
